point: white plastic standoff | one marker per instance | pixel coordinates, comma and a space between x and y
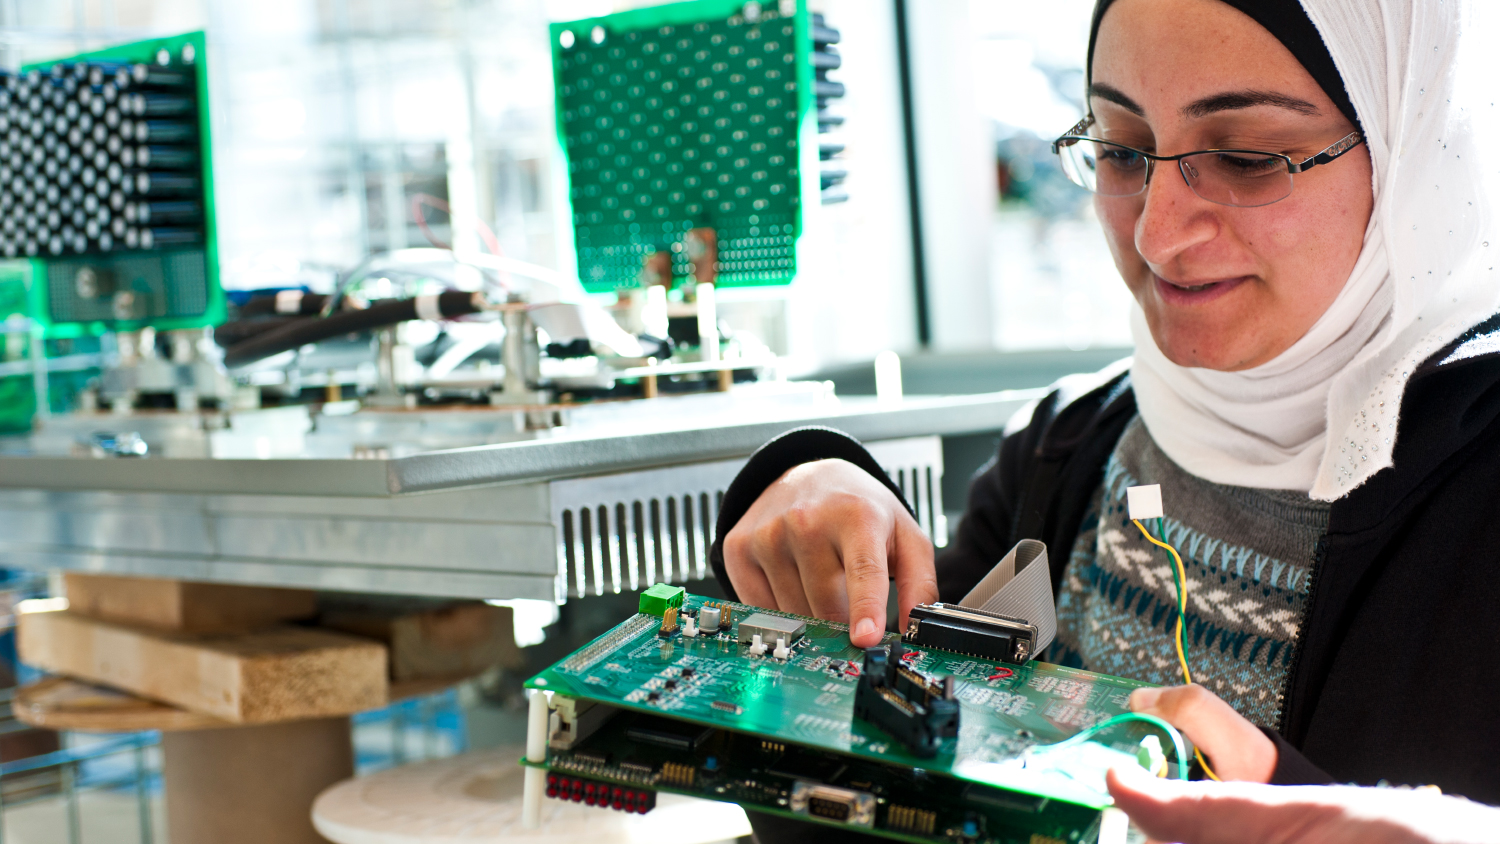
757, 647
534, 786
689, 628
782, 652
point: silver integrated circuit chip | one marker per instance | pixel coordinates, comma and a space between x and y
770, 628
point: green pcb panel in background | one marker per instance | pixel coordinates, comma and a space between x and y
683, 116
72, 359
172, 285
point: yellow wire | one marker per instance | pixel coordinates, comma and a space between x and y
1187, 674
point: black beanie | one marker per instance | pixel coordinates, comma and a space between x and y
1288, 21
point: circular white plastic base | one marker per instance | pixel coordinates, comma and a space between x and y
477, 797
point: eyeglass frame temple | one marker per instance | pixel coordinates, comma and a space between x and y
1343, 145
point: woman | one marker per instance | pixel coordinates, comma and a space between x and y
1316, 387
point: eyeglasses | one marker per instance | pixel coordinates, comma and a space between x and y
1241, 178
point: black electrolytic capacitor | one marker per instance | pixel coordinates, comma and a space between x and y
164, 131
157, 213
166, 157
164, 184
106, 242
113, 145
154, 105
159, 238
150, 76
132, 238
117, 227
112, 118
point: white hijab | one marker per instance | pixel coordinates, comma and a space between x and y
1322, 416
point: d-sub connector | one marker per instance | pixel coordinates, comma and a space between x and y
843, 805
975, 632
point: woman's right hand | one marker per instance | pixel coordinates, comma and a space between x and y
825, 540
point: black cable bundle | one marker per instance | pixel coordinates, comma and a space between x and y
296, 332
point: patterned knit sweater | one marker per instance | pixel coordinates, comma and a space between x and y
1248, 555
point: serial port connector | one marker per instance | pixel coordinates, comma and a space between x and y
844, 805
974, 632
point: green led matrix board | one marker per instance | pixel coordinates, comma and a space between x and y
682, 116
775, 723
172, 286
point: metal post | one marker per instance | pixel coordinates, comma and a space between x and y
2, 811
913, 181
70, 795
143, 792
398, 734
38, 353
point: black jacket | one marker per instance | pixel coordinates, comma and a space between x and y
1397, 673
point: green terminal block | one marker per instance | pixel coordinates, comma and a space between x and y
655, 600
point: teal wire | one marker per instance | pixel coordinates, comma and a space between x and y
1085, 735
1161, 533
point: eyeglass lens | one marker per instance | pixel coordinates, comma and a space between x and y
1239, 179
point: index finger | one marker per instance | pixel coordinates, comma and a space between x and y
868, 581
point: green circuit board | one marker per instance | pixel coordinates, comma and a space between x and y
681, 116
775, 722
174, 287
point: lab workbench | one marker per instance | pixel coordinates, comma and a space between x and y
381, 501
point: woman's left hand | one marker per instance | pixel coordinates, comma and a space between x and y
1235, 748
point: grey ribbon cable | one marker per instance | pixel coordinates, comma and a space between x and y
1020, 586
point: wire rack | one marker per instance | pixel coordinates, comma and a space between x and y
107, 789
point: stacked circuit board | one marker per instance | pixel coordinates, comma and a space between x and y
689, 116
98, 156
720, 700
106, 184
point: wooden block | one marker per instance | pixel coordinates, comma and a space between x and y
280, 674
185, 606
430, 639
62, 703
